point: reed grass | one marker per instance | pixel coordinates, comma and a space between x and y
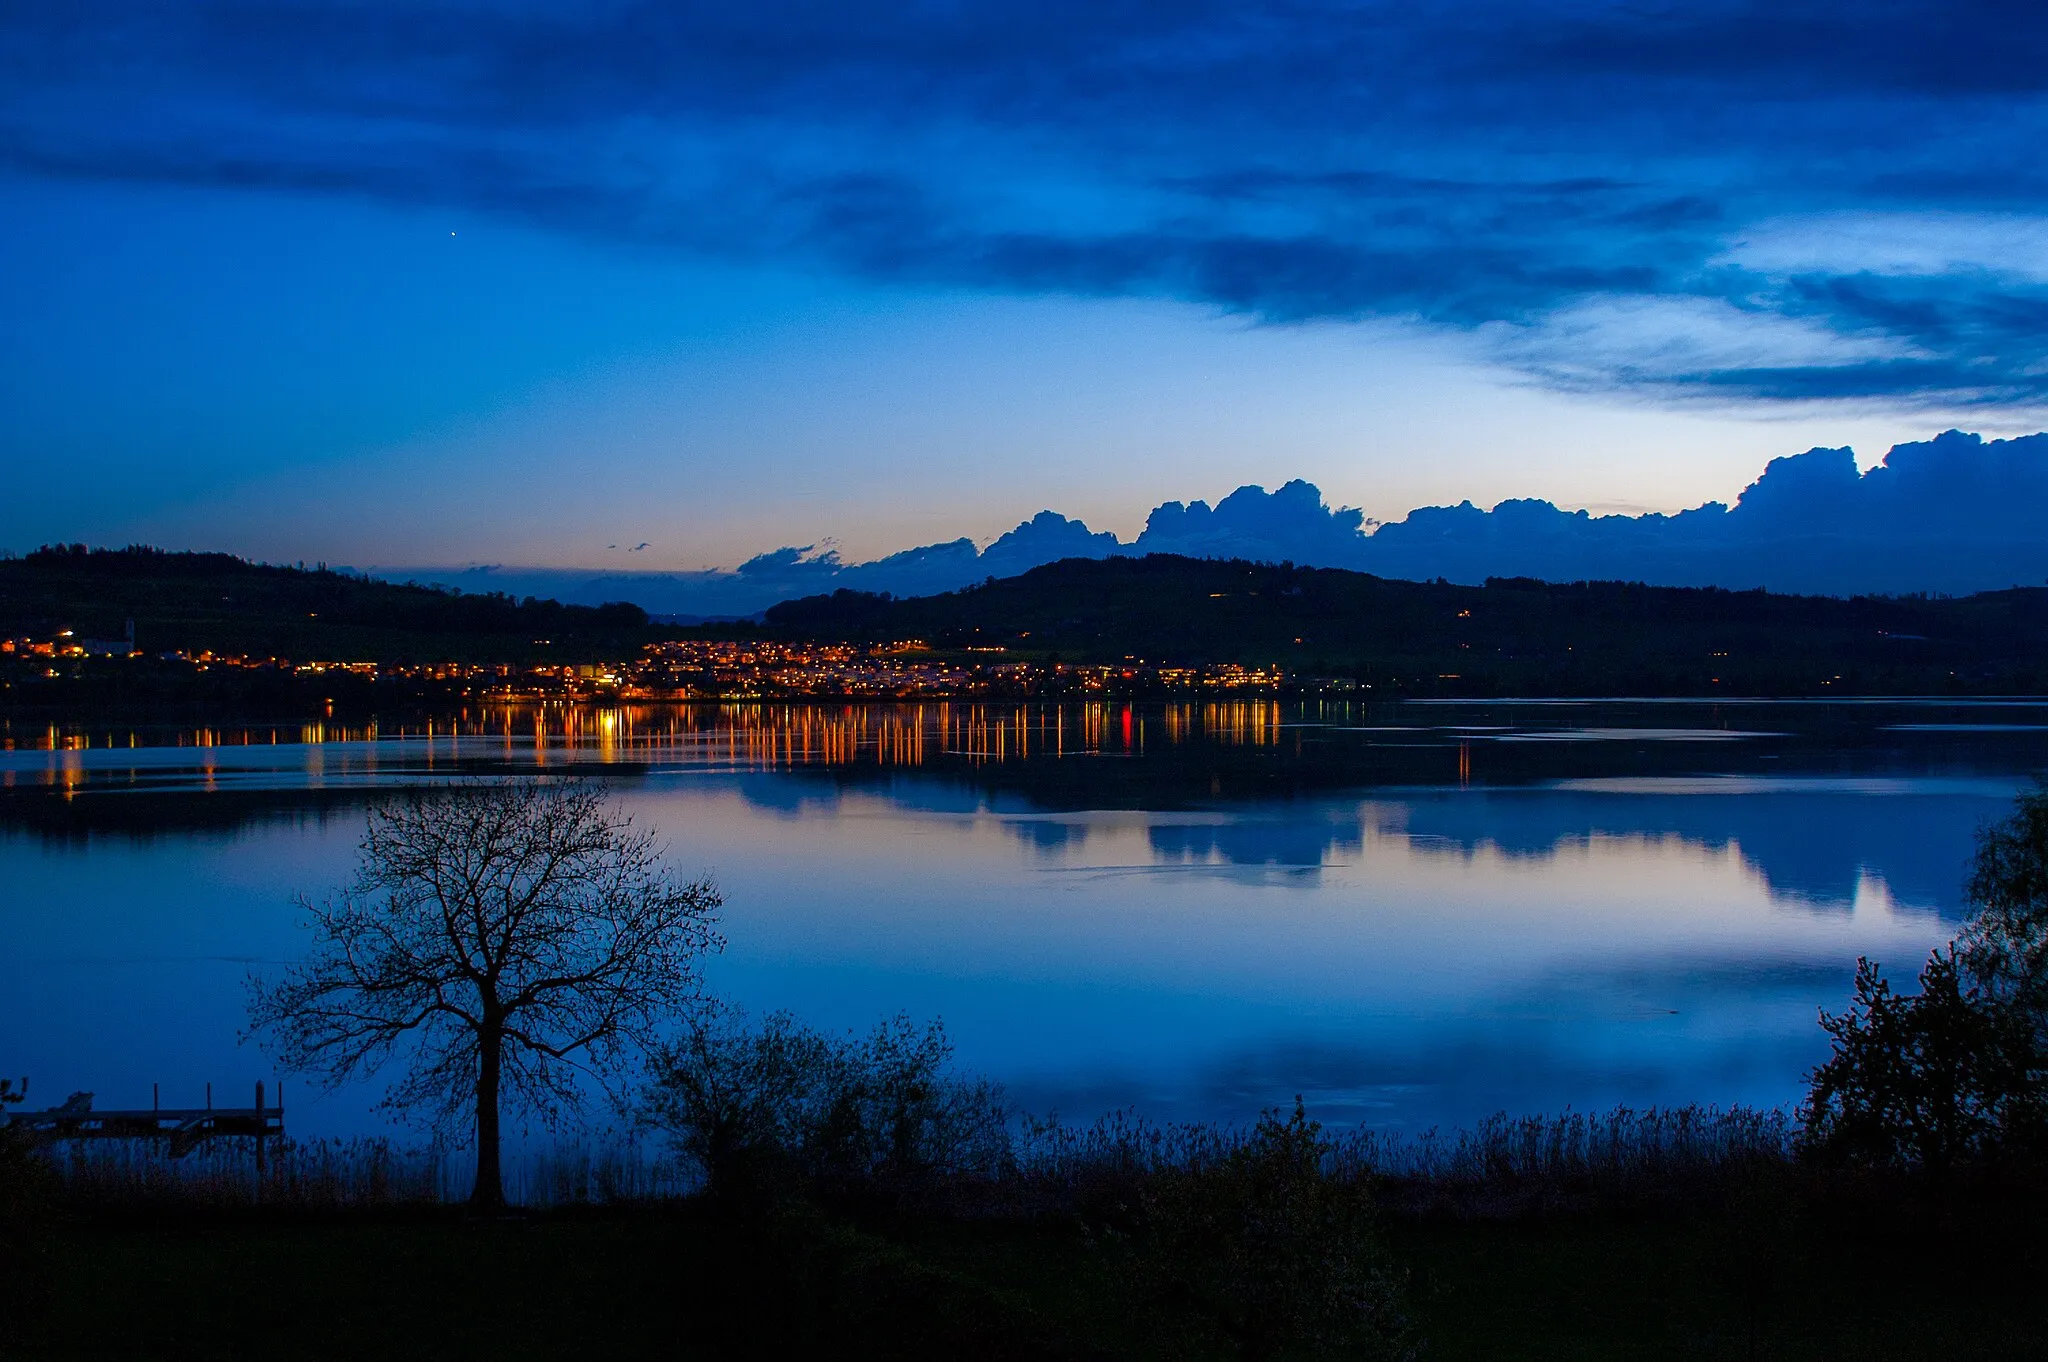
359, 1173
1618, 1147
223, 1174
1501, 1163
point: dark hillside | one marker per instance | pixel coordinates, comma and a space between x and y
1510, 636
212, 601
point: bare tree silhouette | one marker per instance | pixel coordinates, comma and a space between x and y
502, 940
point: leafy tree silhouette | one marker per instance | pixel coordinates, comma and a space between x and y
1925, 1080
2004, 948
1958, 1071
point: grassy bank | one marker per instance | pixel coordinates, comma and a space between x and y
686, 1281
1687, 1234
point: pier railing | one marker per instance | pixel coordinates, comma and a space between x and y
182, 1128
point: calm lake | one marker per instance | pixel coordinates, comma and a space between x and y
1409, 914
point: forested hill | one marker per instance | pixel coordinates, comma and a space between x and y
212, 601
1511, 636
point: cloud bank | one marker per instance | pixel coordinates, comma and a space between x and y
1953, 514
1807, 200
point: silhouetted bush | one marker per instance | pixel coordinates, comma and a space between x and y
742, 1101
777, 1106
1924, 1081
1284, 1257
2003, 950
1958, 1072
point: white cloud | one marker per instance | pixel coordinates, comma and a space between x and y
1651, 340
1905, 244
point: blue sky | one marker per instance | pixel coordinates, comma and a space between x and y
449, 280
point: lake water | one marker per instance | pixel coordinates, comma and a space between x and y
1408, 914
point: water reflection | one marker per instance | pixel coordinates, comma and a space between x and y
751, 734
766, 736
1812, 846
1404, 913
1306, 840
1814, 851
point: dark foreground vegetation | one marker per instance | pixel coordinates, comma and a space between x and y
1513, 636
1683, 1235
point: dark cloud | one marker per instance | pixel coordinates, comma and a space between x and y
1481, 161
783, 573
1045, 538
1957, 514
1288, 525
1956, 383
1972, 48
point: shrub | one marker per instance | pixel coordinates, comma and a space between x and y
742, 1101
1958, 1071
775, 1106
1284, 1256
1923, 1081
896, 1119
2003, 950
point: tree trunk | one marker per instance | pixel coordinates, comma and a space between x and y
489, 1193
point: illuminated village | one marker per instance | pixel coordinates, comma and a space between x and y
694, 669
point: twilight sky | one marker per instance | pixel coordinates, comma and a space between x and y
451, 280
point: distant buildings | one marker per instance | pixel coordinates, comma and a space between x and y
730, 669
66, 644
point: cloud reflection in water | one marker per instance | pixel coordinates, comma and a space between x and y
1204, 930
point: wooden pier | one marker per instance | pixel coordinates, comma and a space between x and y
185, 1128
